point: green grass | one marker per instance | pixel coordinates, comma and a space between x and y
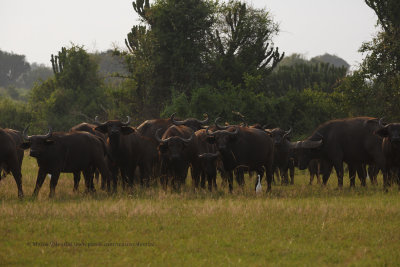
294, 225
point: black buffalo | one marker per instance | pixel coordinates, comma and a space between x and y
178, 150
208, 155
391, 149
282, 154
71, 152
314, 170
11, 155
350, 140
243, 146
90, 128
149, 127
128, 150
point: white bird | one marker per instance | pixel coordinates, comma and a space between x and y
258, 186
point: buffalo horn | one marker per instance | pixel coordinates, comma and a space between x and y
187, 140
205, 120
309, 144
381, 122
49, 133
287, 132
127, 122
24, 135
219, 127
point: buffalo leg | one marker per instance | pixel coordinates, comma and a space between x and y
268, 176
352, 175
362, 173
16, 172
53, 184
339, 173
18, 180
326, 171
39, 182
311, 178
230, 181
77, 178
88, 175
291, 171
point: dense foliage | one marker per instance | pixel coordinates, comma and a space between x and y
199, 56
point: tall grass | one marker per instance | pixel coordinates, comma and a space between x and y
293, 225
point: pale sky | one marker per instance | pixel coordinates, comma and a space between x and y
40, 28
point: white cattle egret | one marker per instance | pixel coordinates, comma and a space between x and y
258, 186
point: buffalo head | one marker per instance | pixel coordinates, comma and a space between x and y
223, 137
195, 124
306, 150
278, 135
115, 128
173, 147
37, 143
390, 131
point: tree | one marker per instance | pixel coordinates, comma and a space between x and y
240, 42
185, 45
377, 82
74, 94
11, 67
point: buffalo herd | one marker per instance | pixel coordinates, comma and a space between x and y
164, 150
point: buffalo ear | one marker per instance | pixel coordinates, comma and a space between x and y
267, 131
25, 145
211, 139
163, 148
127, 130
101, 128
383, 132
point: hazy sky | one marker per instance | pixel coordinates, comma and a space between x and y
311, 27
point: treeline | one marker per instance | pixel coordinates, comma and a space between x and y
198, 56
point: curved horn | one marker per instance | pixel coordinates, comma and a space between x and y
204, 121
158, 138
24, 135
233, 133
172, 117
49, 133
308, 144
219, 127
381, 122
127, 122
96, 121
187, 140
287, 132
175, 122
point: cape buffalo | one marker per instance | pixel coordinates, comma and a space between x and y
243, 146
90, 128
128, 150
70, 152
11, 155
391, 148
178, 150
314, 170
350, 140
282, 152
149, 127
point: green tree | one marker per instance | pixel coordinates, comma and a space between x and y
374, 88
240, 42
11, 67
74, 94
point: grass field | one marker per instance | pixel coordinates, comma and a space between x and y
294, 225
